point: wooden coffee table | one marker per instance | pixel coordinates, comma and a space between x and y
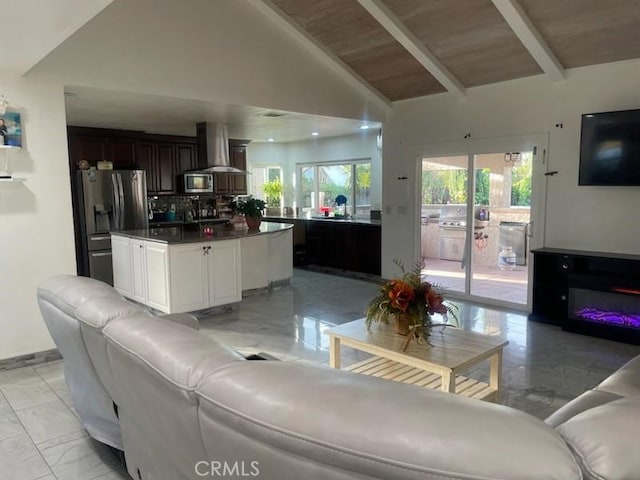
438, 365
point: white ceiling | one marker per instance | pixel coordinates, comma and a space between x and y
178, 116
33, 28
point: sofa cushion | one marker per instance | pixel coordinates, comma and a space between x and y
589, 399
156, 365
293, 417
604, 439
625, 382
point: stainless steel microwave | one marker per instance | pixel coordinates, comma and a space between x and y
196, 182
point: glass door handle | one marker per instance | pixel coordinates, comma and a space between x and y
529, 229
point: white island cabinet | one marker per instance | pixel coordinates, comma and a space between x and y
177, 271
204, 275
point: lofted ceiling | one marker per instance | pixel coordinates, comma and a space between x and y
464, 43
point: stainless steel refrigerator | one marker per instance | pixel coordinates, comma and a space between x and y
106, 200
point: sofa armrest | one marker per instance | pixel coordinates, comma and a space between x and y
183, 319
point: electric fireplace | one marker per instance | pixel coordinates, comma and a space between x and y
611, 311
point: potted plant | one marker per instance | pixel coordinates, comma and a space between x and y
273, 191
252, 209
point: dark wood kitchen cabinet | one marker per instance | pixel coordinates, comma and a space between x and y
186, 157
167, 171
226, 184
238, 159
344, 245
163, 157
158, 160
95, 148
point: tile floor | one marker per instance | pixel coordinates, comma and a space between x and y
42, 439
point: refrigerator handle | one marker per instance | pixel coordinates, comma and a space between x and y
121, 194
116, 201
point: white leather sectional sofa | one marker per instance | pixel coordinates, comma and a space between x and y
188, 408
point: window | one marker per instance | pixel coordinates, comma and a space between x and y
322, 183
266, 183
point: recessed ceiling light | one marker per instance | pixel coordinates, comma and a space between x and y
271, 139
589, 116
315, 134
364, 127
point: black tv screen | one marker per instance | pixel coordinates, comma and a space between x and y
610, 148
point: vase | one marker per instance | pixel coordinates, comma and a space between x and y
253, 222
401, 324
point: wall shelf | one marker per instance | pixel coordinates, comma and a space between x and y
12, 180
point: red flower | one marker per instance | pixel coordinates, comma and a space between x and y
435, 302
401, 295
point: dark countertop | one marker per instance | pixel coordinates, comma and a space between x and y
178, 235
360, 221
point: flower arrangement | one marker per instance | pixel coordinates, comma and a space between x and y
411, 299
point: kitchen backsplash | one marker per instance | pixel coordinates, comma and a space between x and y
182, 203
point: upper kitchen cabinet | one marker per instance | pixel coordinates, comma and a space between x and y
238, 159
227, 184
94, 148
158, 160
163, 157
186, 157
167, 171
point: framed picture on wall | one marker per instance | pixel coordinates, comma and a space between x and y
10, 129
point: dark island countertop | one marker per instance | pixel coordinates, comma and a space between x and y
318, 218
177, 235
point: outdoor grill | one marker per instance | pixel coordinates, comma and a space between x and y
453, 217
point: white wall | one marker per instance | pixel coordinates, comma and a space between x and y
587, 218
222, 50
36, 225
350, 147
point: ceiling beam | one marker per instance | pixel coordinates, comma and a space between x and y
532, 40
413, 45
287, 24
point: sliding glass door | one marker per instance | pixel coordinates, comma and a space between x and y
476, 222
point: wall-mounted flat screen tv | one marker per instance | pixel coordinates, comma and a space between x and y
610, 148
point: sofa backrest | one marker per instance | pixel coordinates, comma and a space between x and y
303, 421
604, 439
93, 317
156, 365
59, 298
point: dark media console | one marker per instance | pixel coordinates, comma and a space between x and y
592, 293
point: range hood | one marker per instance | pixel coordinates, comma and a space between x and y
213, 145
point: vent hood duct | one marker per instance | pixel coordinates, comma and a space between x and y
213, 145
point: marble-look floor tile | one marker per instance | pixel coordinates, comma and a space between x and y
10, 425
51, 371
24, 463
115, 475
78, 458
27, 393
17, 375
48, 421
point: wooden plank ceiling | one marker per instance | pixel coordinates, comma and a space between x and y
469, 37
588, 32
361, 42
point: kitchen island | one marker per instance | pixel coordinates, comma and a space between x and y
175, 270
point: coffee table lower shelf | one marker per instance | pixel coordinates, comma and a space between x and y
399, 372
